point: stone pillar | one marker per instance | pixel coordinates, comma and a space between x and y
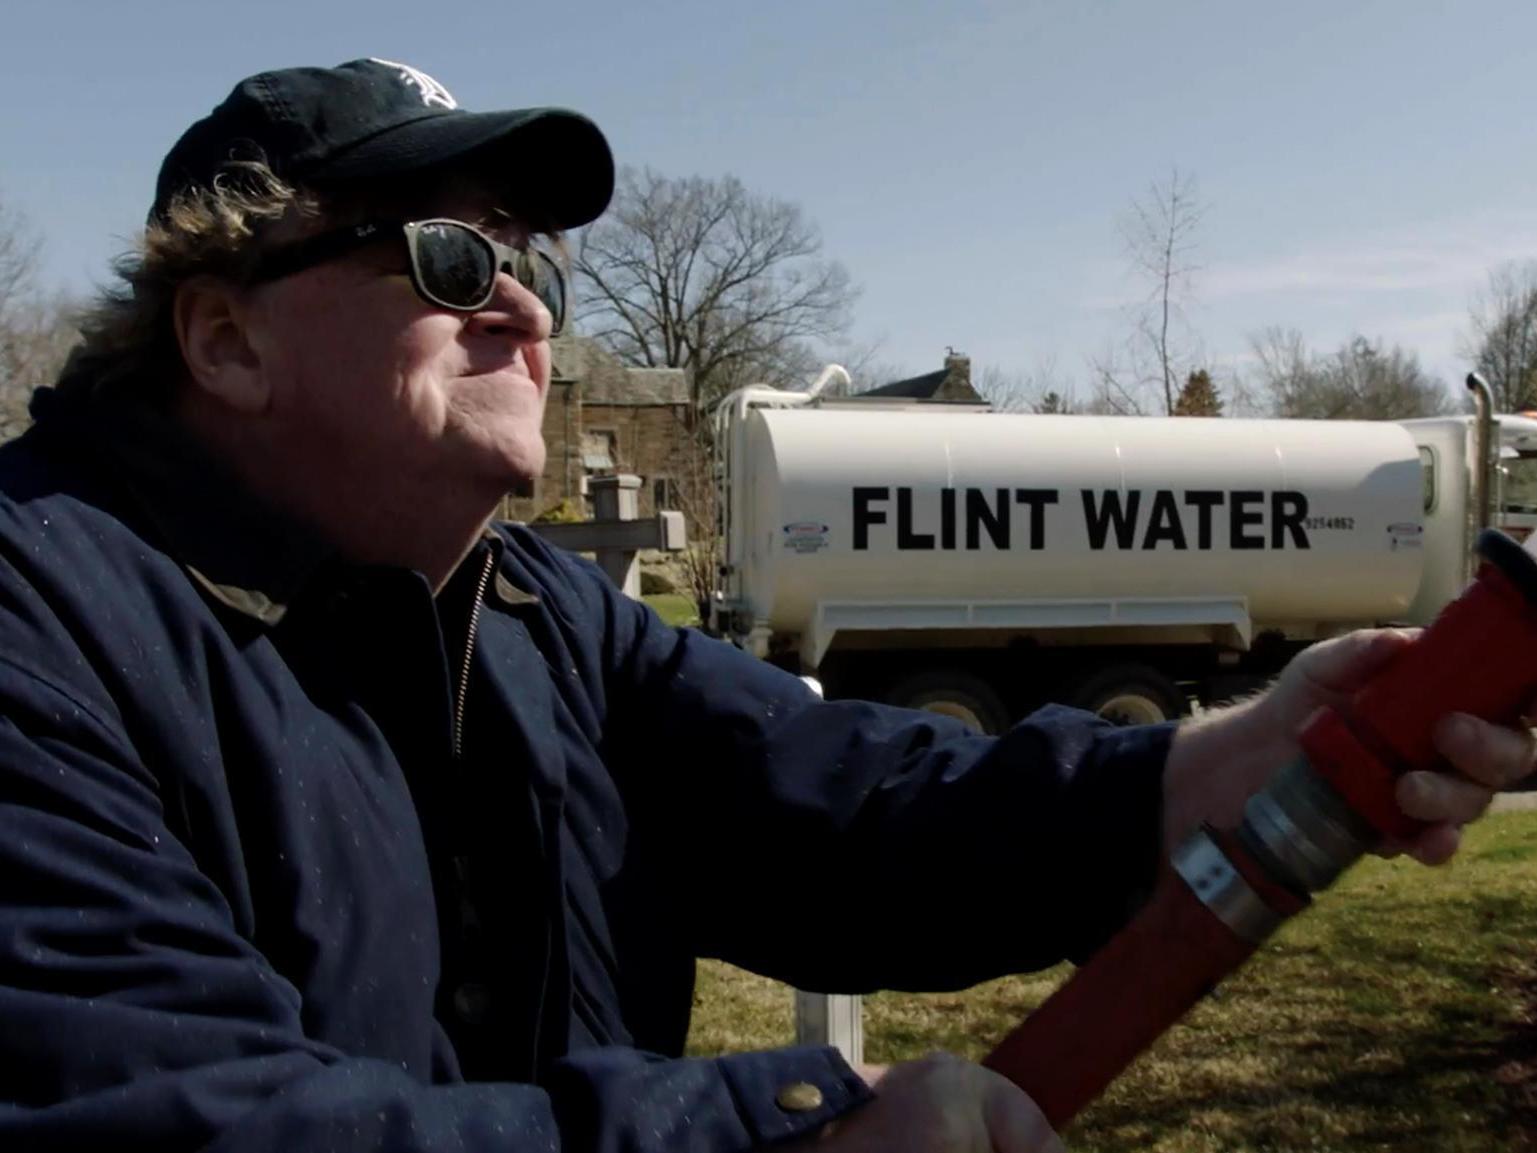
617, 498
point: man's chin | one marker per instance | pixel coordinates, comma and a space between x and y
498, 462
521, 466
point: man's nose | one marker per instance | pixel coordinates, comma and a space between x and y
514, 310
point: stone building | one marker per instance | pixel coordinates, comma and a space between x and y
603, 417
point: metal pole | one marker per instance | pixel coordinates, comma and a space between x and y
831, 1019
835, 1019
1483, 440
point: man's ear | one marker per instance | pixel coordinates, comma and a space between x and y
212, 326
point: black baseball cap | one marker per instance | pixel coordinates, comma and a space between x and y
368, 120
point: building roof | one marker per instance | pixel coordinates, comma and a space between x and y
923, 387
604, 380
638, 387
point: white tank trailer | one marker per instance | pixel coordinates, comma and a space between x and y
981, 563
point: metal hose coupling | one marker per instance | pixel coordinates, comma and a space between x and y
1296, 838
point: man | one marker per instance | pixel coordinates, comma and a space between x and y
333, 818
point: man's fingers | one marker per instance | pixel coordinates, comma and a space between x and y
1492, 755
1439, 798
1488, 757
1345, 663
1435, 846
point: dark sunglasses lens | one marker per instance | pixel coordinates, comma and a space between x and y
454, 265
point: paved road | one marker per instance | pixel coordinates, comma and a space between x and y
1514, 802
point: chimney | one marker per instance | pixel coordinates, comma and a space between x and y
957, 384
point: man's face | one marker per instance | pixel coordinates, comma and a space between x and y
381, 384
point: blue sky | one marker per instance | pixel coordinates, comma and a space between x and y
1363, 164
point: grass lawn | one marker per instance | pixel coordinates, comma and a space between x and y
1400, 1013
674, 608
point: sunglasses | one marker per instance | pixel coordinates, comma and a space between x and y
453, 265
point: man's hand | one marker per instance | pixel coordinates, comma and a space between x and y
940, 1104
1217, 762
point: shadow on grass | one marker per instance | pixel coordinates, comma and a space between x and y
1401, 1103
1517, 1053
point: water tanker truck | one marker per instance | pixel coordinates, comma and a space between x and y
982, 563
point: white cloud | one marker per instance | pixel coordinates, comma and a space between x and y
1437, 255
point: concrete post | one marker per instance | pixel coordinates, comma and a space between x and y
617, 498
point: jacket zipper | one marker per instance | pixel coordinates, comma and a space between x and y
469, 652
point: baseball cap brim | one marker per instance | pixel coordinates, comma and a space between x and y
558, 163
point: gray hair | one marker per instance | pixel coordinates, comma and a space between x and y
128, 331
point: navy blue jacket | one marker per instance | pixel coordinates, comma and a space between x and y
277, 873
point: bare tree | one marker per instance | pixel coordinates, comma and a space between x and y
1503, 338
697, 500
18, 263
18, 257
1042, 389
702, 274
1006, 391
866, 366
1359, 381
1117, 391
37, 328
1159, 233
35, 341
1283, 365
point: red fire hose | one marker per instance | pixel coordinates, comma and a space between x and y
1225, 891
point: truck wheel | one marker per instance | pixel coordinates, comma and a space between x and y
953, 693
1130, 695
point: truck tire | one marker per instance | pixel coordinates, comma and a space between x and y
1130, 695
953, 693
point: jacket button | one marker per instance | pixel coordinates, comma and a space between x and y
801, 1097
472, 1002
